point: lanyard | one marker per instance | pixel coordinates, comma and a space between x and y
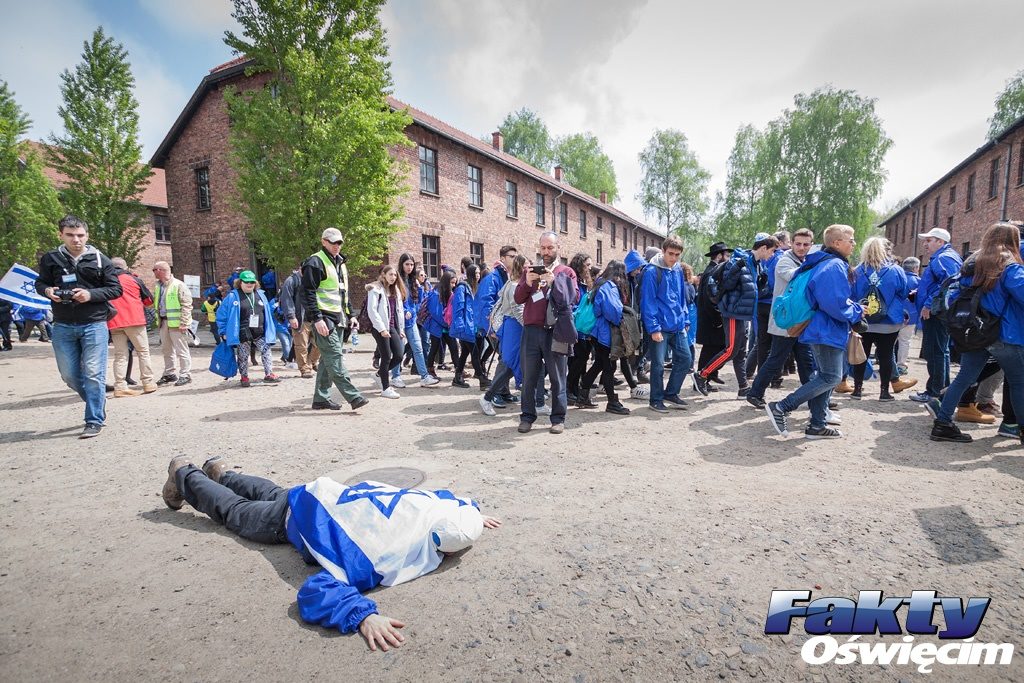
251, 298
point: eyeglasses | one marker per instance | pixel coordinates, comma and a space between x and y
338, 243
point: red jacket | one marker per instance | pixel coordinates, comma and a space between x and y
129, 305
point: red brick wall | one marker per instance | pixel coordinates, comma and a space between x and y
968, 225
152, 251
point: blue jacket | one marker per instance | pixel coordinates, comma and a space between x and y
463, 326
663, 304
607, 312
892, 284
691, 310
1006, 296
269, 280
434, 324
829, 292
229, 322
769, 267
737, 286
944, 263
913, 282
487, 296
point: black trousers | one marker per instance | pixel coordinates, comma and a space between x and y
735, 350
390, 350
604, 366
437, 346
578, 365
251, 507
886, 355
763, 341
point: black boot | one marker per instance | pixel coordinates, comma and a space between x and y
459, 381
947, 431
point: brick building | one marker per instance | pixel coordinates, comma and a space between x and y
156, 245
984, 188
468, 197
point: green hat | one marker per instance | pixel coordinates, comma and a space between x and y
247, 276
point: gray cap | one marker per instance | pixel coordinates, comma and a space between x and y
332, 235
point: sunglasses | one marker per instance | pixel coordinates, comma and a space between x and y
336, 243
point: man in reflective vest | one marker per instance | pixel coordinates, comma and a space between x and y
173, 303
325, 298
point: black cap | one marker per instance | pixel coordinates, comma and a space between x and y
716, 249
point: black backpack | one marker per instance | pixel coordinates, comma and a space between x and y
970, 326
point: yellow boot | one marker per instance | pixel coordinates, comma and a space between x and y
901, 384
844, 388
970, 413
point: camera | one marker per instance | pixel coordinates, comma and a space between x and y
64, 295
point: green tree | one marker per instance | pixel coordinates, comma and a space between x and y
1009, 106
99, 151
673, 187
29, 209
747, 207
527, 138
586, 166
312, 148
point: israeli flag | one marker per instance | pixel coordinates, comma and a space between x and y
19, 286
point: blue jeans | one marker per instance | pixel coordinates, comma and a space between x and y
535, 355
681, 360
81, 352
286, 345
816, 391
781, 347
971, 365
412, 338
1011, 360
935, 344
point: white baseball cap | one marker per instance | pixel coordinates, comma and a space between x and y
331, 235
458, 529
937, 233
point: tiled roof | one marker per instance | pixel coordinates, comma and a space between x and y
154, 195
237, 66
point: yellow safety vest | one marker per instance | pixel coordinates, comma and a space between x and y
328, 294
171, 304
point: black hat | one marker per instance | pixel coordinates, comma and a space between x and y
716, 249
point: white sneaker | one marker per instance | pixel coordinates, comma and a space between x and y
397, 383
377, 383
834, 419
544, 410
429, 381
389, 393
640, 391
292, 366
486, 407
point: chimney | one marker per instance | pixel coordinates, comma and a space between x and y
498, 141
558, 173
604, 197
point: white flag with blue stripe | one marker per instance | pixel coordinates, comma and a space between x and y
19, 286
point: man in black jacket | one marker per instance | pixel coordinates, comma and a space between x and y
80, 281
710, 333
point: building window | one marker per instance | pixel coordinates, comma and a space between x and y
993, 179
914, 225
203, 188
966, 250
1020, 164
952, 194
511, 199
208, 254
949, 225
583, 224
475, 176
970, 192
613, 233
935, 215
540, 208
162, 227
645, 244
600, 224
600, 253
563, 216
432, 256
476, 252
428, 170
634, 239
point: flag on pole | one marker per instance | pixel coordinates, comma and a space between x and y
19, 286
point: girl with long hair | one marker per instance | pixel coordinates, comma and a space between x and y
581, 264
610, 290
464, 329
413, 343
507, 321
997, 272
384, 306
437, 301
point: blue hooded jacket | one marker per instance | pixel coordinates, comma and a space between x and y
434, 324
892, 283
737, 286
487, 296
829, 292
229, 315
943, 264
633, 261
1006, 296
663, 304
769, 267
913, 282
463, 327
607, 312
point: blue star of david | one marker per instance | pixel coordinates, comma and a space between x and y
366, 491
28, 287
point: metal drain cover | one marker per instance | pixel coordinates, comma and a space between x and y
399, 477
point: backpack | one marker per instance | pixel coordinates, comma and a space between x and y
423, 314
970, 326
875, 308
448, 310
793, 309
584, 317
626, 337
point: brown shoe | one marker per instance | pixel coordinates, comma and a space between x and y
170, 493
126, 393
307, 375
844, 388
901, 384
990, 409
970, 413
215, 467
148, 388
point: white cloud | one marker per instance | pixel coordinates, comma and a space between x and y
193, 18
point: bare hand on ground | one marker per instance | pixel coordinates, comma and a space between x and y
378, 629
491, 522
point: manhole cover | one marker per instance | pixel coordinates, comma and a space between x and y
400, 477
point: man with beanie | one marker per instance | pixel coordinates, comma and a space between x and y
363, 536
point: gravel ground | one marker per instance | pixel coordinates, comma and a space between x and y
640, 547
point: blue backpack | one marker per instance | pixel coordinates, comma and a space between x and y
584, 316
793, 310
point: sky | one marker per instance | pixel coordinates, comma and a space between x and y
619, 69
